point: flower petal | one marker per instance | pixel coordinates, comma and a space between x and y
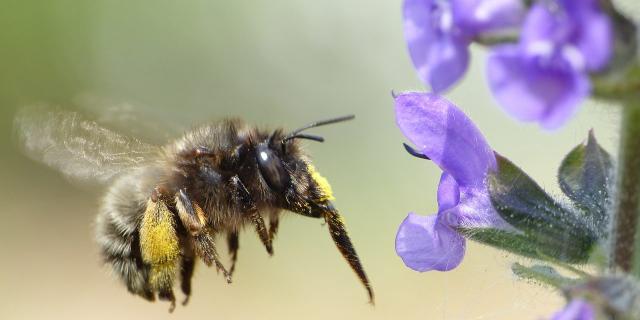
474, 211
546, 23
529, 89
448, 192
593, 31
578, 309
469, 208
424, 244
439, 54
478, 16
577, 23
596, 43
446, 135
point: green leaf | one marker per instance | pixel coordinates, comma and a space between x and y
560, 233
585, 176
543, 274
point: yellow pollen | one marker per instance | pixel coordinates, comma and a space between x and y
323, 184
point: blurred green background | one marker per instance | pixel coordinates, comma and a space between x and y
274, 63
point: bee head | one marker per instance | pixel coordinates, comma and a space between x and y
301, 189
289, 173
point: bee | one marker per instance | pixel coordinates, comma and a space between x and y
166, 204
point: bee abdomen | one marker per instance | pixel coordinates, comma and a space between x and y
122, 253
118, 237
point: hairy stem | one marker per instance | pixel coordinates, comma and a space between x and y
626, 246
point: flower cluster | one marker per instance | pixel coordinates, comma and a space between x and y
546, 57
542, 78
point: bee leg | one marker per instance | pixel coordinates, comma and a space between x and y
233, 242
243, 197
147, 294
186, 273
341, 239
261, 229
274, 222
159, 248
187, 266
193, 219
167, 295
206, 249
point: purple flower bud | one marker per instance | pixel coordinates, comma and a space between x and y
447, 136
544, 77
578, 309
438, 34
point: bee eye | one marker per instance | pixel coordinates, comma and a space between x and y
271, 168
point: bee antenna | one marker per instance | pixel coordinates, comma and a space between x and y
295, 134
318, 124
304, 136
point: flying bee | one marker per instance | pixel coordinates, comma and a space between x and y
166, 204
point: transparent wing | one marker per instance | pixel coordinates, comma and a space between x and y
129, 118
79, 148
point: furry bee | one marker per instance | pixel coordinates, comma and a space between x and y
166, 204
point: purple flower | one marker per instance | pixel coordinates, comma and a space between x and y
443, 133
438, 34
578, 309
544, 77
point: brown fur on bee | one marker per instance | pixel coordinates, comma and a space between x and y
164, 211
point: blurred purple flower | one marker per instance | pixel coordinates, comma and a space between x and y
578, 309
438, 34
544, 77
442, 132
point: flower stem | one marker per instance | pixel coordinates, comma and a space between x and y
626, 245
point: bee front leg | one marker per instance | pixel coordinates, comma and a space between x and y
274, 222
160, 248
340, 237
193, 219
233, 241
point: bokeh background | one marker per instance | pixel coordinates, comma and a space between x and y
274, 63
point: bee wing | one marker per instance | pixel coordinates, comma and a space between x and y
81, 149
130, 118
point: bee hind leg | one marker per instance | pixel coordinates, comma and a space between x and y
187, 266
159, 247
167, 295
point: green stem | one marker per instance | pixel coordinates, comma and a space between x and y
626, 248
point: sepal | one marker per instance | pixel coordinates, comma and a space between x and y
585, 176
526, 245
557, 232
543, 274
